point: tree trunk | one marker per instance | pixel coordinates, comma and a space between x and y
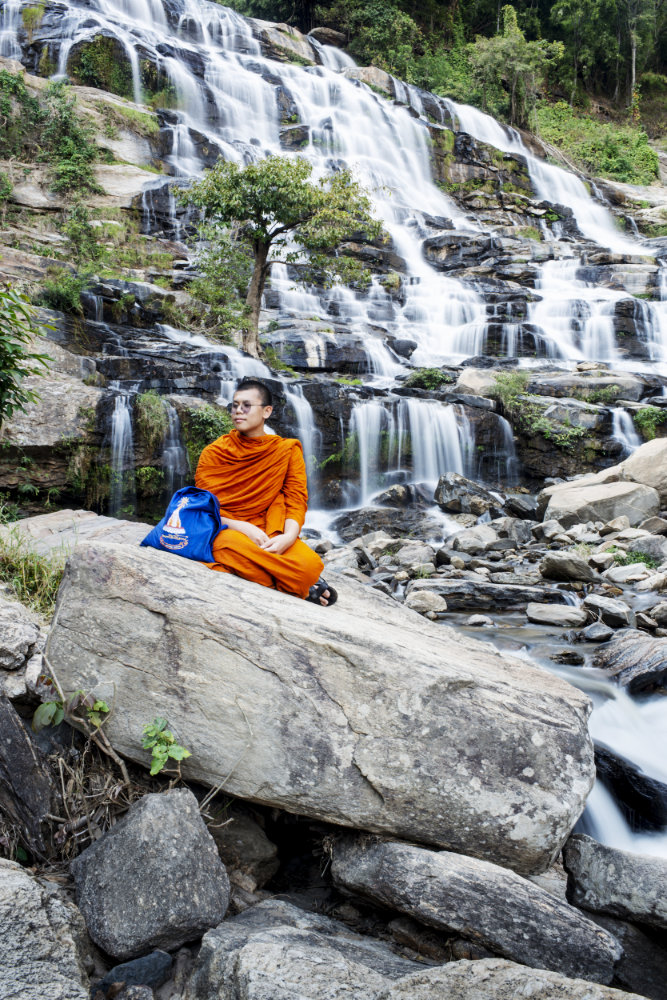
254, 298
633, 65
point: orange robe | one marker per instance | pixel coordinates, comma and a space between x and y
263, 481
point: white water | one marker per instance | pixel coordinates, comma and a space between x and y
634, 729
122, 496
624, 431
175, 463
406, 440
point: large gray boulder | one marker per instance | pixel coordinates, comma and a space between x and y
498, 979
18, 635
577, 503
648, 465
566, 566
155, 880
275, 951
607, 880
43, 945
484, 903
345, 714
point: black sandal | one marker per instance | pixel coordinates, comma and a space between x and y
317, 591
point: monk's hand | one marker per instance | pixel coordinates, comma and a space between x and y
254, 533
279, 543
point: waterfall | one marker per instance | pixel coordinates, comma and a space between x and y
175, 462
624, 432
10, 21
122, 493
405, 439
551, 183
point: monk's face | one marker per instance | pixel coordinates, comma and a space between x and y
249, 412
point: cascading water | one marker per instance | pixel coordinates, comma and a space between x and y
624, 432
406, 439
122, 494
10, 21
175, 463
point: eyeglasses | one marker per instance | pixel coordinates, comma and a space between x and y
243, 407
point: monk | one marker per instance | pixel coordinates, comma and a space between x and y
260, 481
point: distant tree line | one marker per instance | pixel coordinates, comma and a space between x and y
606, 46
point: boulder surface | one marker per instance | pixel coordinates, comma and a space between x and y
154, 880
497, 978
485, 903
275, 951
345, 714
609, 880
43, 944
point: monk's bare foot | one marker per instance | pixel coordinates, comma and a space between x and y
321, 593
324, 598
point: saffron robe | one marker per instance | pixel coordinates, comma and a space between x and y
262, 481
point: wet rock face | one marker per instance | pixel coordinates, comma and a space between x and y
635, 660
153, 880
351, 775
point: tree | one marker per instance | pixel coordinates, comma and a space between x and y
282, 216
17, 328
515, 62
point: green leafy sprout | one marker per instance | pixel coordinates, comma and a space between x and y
162, 744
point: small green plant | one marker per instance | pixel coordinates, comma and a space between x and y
162, 744
32, 18
17, 328
76, 706
428, 378
342, 380
150, 481
648, 419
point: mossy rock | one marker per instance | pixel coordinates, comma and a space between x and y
102, 63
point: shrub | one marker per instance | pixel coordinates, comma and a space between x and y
648, 419
103, 63
34, 578
69, 141
63, 292
428, 378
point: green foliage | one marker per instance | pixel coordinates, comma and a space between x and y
526, 415
33, 578
102, 63
620, 152
17, 361
342, 380
63, 292
20, 118
150, 481
628, 558
82, 242
274, 361
140, 122
508, 59
605, 395
162, 744
201, 425
150, 417
278, 214
225, 263
32, 18
77, 706
70, 142
428, 378
648, 419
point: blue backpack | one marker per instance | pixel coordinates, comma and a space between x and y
189, 526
